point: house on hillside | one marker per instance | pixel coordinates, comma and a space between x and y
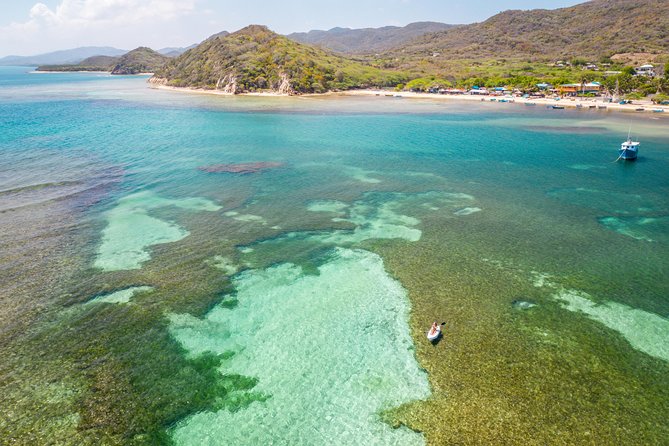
576, 89
645, 70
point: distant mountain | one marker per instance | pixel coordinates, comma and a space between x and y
72, 56
367, 40
257, 59
140, 60
175, 51
591, 29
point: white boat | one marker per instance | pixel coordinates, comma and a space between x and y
629, 150
434, 333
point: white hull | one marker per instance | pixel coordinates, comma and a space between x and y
433, 335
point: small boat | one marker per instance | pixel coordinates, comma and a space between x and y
558, 107
602, 107
640, 109
629, 149
434, 333
530, 103
592, 106
658, 110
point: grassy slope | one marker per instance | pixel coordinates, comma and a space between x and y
516, 43
259, 59
592, 29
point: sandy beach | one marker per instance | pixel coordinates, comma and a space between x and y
581, 103
584, 103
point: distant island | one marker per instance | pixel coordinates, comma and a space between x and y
139, 60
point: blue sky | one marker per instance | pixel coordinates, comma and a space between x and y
31, 26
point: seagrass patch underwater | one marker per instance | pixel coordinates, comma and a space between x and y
150, 299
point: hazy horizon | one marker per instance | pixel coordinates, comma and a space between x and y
30, 28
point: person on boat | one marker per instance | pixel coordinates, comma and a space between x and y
434, 327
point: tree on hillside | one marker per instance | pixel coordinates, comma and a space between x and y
629, 70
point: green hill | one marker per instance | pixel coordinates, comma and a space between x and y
592, 29
257, 59
140, 60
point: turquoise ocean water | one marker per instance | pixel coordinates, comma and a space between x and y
145, 300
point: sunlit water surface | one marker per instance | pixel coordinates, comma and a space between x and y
144, 299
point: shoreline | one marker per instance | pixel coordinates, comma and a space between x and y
156, 86
572, 103
86, 71
575, 103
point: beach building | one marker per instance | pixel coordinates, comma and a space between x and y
576, 89
645, 70
452, 91
478, 90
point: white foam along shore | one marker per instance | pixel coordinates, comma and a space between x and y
583, 103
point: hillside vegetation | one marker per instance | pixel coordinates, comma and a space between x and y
592, 29
257, 59
367, 40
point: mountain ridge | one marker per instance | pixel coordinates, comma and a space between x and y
591, 29
62, 57
366, 40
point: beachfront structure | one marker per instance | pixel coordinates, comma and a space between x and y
645, 70
478, 90
452, 91
576, 89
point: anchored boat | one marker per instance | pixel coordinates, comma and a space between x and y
629, 150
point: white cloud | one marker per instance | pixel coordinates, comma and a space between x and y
89, 12
72, 21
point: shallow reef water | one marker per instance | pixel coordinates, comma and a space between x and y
647, 332
131, 230
146, 301
329, 352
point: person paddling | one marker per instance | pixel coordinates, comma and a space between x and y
434, 328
